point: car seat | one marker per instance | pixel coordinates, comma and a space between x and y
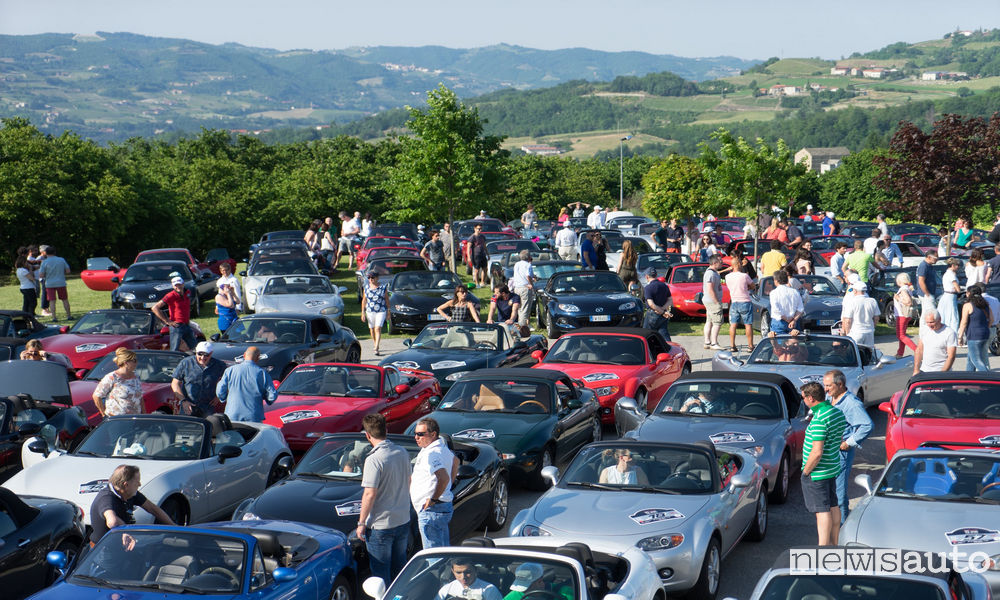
154, 440
458, 338
175, 573
335, 382
597, 579
488, 400
270, 549
930, 476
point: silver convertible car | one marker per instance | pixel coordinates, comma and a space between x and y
761, 413
871, 375
685, 505
302, 294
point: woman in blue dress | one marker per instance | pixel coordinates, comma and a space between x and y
225, 306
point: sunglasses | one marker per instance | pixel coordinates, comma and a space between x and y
202, 354
421, 433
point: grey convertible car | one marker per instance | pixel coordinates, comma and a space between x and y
761, 413
686, 505
871, 375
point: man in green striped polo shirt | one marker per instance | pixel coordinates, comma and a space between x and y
821, 462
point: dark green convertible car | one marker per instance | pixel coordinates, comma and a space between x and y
533, 417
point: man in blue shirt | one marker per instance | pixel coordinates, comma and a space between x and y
52, 275
828, 223
245, 387
195, 379
891, 251
658, 305
859, 426
588, 252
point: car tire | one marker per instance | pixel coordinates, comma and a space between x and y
70, 549
765, 324
342, 589
995, 345
759, 528
499, 505
276, 472
391, 329
779, 495
598, 431
535, 481
550, 329
177, 510
889, 314
708, 579
353, 355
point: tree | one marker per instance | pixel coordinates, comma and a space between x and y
850, 191
675, 187
447, 166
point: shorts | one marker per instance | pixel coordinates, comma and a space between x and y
52, 292
345, 245
479, 262
820, 496
375, 319
713, 312
741, 313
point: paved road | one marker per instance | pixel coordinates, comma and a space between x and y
790, 525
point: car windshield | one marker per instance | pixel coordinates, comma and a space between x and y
599, 350
217, 254
332, 380
156, 437
543, 272
910, 228
267, 331
100, 263
723, 399
173, 562
164, 255
459, 336
927, 240
343, 457
659, 261
391, 267
434, 575
290, 266
829, 242
957, 477
151, 367
685, 274
512, 245
140, 272
426, 280
532, 397
815, 285
512, 258
954, 400
639, 245
403, 231
114, 323
377, 253
283, 235
316, 284
468, 228
569, 283
800, 350
642, 467
850, 586
386, 242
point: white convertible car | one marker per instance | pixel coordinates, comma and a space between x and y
195, 469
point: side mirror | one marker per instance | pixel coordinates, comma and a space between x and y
434, 401
885, 407
374, 587
865, 481
341, 289
662, 357
164, 330
573, 403
23, 333
64, 329
284, 575
407, 342
114, 268
80, 373
740, 480
724, 355
28, 429
39, 447
628, 404
115, 280
57, 559
538, 355
886, 360
243, 273
229, 451
466, 472
215, 337
402, 388
550, 474
285, 463
324, 338
470, 285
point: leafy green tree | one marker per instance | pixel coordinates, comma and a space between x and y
448, 166
850, 190
675, 187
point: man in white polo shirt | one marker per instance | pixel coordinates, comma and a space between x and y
430, 485
566, 242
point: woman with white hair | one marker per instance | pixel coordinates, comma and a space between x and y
905, 308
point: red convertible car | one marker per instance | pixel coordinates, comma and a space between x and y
684, 281
320, 398
958, 406
97, 276
154, 368
101, 332
605, 358
384, 242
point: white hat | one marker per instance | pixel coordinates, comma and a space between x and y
567, 224
205, 347
176, 280
809, 206
853, 278
829, 213
525, 575
860, 286
598, 207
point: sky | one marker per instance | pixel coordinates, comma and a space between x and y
751, 29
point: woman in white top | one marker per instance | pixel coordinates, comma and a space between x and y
366, 225
26, 281
975, 269
623, 473
947, 305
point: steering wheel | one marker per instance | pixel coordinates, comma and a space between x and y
546, 594
287, 338
224, 572
992, 408
540, 405
184, 448
685, 475
760, 405
488, 345
986, 487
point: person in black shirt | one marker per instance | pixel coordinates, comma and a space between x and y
601, 246
658, 304
113, 506
661, 235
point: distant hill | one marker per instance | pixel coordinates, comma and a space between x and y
110, 86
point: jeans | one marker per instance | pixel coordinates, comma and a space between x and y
657, 323
846, 461
436, 266
779, 327
29, 300
433, 525
387, 550
904, 340
182, 332
41, 294
978, 358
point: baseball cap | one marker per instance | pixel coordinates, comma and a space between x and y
567, 224
860, 286
809, 206
205, 347
853, 278
176, 280
651, 272
598, 207
525, 575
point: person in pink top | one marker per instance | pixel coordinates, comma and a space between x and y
740, 309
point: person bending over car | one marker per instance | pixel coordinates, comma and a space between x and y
113, 506
467, 583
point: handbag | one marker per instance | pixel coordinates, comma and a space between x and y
911, 311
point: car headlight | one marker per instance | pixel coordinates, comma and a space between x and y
330, 310
627, 306
128, 296
991, 564
606, 390
404, 308
249, 516
455, 376
599, 377
531, 531
506, 456
660, 542
570, 308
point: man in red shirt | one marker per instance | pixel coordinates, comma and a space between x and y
178, 300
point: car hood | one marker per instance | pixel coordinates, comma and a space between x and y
579, 371
917, 431
506, 431
422, 299
229, 351
68, 342
309, 303
334, 503
440, 362
741, 433
590, 301
941, 525
306, 409
829, 304
572, 511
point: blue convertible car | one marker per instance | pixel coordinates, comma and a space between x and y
244, 559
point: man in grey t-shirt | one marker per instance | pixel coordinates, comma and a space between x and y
384, 522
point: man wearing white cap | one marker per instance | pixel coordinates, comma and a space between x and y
178, 300
194, 382
858, 318
566, 242
594, 218
528, 578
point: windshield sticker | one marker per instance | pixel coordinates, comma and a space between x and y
92, 487
477, 434
928, 390
990, 439
648, 516
349, 508
730, 437
972, 535
299, 415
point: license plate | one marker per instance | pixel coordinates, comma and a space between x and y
600, 318
827, 322
149, 304
435, 317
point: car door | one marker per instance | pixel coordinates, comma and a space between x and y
10, 442
663, 374
229, 482
573, 425
513, 353
18, 557
399, 410
324, 352
732, 502
879, 381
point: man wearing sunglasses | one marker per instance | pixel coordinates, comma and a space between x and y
195, 380
434, 473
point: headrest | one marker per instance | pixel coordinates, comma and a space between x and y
220, 423
579, 551
479, 542
268, 543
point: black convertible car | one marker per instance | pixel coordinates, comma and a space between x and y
144, 284
387, 268
415, 295
325, 487
577, 299
19, 324
287, 340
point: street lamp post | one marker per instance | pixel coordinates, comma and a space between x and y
621, 171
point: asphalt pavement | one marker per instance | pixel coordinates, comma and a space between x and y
790, 525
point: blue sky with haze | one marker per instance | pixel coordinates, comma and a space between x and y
748, 29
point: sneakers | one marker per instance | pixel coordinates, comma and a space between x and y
46, 313
715, 347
